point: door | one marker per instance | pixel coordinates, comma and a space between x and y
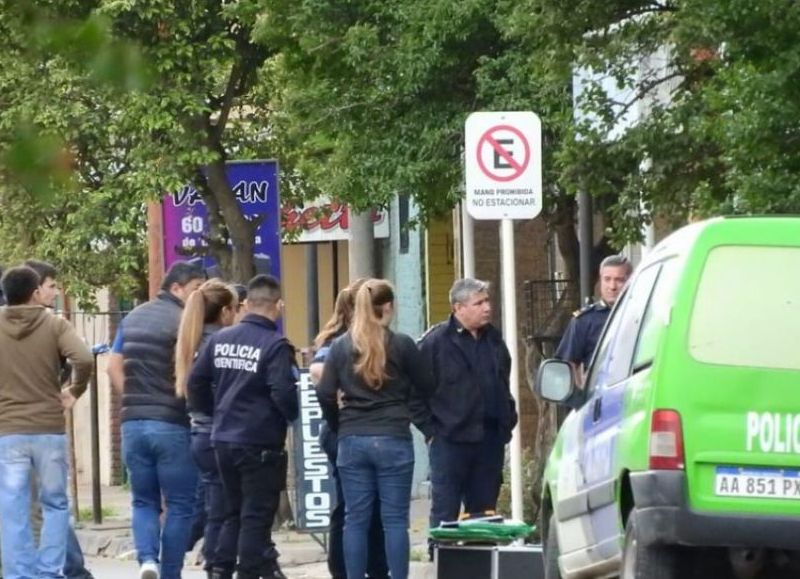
609, 375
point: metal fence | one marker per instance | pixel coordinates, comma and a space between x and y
96, 327
547, 304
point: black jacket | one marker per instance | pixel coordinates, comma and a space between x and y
254, 376
148, 351
366, 411
202, 422
456, 410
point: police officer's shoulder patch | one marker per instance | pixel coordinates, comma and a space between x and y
583, 310
430, 331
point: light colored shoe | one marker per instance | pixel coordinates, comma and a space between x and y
148, 570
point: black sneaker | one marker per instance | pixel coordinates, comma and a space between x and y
276, 573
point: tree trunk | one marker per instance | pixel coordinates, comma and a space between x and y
225, 220
236, 260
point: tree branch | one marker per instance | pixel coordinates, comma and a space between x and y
644, 89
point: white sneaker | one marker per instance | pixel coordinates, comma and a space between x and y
148, 570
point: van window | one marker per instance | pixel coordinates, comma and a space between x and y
613, 358
657, 315
747, 308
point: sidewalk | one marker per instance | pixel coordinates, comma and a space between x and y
300, 552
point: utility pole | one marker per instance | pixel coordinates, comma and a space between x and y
155, 248
585, 245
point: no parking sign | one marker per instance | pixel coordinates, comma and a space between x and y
503, 165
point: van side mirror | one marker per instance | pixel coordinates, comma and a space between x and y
555, 382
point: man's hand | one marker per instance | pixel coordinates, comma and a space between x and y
67, 399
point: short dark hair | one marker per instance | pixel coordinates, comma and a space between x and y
43, 268
263, 289
241, 291
181, 273
19, 284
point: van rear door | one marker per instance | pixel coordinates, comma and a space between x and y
738, 381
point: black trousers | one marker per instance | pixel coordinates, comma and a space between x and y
252, 480
468, 473
211, 499
377, 568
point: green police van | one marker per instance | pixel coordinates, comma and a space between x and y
681, 455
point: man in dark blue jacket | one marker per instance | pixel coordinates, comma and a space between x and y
253, 368
470, 418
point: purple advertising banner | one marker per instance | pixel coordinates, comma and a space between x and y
255, 184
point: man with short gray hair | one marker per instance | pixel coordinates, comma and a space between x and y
583, 332
469, 419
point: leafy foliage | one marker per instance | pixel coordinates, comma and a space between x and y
686, 109
64, 189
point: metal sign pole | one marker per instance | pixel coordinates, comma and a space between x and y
467, 241
510, 334
503, 170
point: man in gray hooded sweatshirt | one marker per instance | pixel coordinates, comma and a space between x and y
33, 343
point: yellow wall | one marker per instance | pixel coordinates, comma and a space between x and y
293, 266
439, 268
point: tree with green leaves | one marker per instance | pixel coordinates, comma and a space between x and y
64, 189
712, 86
201, 100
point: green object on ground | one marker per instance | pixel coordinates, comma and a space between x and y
482, 531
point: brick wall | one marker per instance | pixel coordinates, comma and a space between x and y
531, 260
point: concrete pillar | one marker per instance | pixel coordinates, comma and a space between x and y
361, 249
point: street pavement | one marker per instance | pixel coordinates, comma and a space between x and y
110, 554
115, 569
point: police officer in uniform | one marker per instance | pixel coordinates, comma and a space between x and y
583, 332
469, 419
252, 368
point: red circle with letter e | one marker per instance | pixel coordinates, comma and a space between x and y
502, 141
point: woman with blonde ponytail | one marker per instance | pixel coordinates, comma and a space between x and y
208, 309
377, 374
377, 568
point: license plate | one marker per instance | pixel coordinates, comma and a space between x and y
757, 483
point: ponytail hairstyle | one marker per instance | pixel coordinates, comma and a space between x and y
204, 305
368, 333
342, 315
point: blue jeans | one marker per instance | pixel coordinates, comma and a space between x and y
21, 455
159, 463
377, 567
376, 468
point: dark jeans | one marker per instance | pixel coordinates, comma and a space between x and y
376, 468
252, 480
75, 566
377, 567
158, 458
465, 472
212, 499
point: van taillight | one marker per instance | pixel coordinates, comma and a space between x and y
666, 441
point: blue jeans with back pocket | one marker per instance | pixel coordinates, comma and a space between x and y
159, 462
376, 468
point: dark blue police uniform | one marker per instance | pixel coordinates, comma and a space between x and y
580, 339
469, 418
253, 399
